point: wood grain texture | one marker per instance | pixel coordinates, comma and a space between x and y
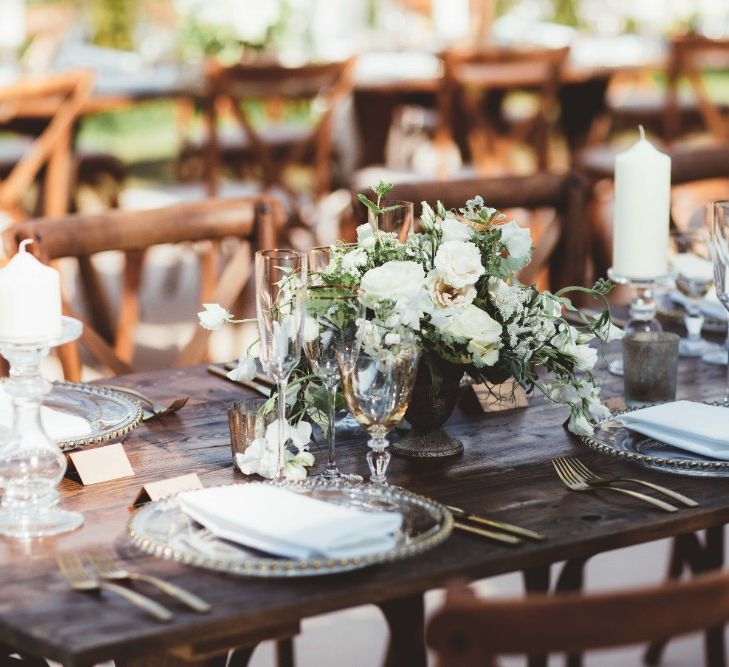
504, 473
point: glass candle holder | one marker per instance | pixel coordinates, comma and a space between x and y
31, 463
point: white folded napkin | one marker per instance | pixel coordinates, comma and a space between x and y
695, 427
59, 425
289, 524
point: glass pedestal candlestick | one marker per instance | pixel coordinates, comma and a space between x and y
31, 463
642, 309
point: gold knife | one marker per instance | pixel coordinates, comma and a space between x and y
255, 386
506, 527
498, 537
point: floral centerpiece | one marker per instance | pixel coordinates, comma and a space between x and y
453, 288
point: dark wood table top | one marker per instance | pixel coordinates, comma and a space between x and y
504, 473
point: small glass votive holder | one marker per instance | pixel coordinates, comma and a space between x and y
650, 362
246, 423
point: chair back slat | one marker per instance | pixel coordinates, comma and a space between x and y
326, 85
690, 56
469, 74
468, 631
252, 221
59, 100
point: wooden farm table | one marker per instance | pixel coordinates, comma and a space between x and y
504, 473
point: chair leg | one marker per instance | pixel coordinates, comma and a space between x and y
285, 652
406, 618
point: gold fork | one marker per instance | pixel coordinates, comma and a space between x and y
574, 483
80, 579
157, 409
581, 470
107, 568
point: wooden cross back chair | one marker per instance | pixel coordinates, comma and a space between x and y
53, 104
564, 245
470, 75
468, 632
323, 85
251, 220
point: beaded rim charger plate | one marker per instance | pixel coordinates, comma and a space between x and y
164, 530
110, 414
612, 438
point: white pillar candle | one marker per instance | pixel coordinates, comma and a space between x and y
451, 19
30, 298
641, 211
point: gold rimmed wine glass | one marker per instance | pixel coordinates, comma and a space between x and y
377, 389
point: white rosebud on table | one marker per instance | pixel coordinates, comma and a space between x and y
214, 316
30, 298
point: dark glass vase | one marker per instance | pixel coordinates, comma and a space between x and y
429, 406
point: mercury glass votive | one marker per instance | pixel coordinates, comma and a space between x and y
650, 363
247, 423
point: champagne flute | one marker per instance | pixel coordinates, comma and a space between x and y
378, 389
332, 316
280, 281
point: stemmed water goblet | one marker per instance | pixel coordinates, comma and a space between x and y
693, 275
280, 286
377, 388
333, 313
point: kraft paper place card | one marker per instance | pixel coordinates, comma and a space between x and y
164, 488
500, 397
101, 464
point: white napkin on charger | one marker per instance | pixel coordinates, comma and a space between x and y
59, 425
289, 524
696, 427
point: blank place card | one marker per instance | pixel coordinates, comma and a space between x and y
163, 488
101, 464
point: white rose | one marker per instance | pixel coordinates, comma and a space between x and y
214, 316
444, 295
484, 353
459, 263
470, 322
365, 236
311, 329
597, 410
455, 230
354, 259
394, 280
517, 240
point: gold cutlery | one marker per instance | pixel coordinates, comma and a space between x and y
157, 409
80, 579
498, 537
499, 525
107, 568
250, 384
581, 470
575, 483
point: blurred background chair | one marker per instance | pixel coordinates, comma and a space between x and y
468, 632
240, 226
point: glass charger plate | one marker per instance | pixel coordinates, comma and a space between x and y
110, 414
612, 438
163, 530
